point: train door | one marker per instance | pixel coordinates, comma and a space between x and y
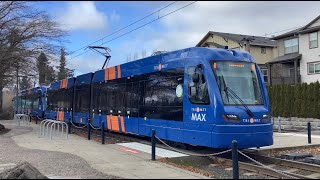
197, 108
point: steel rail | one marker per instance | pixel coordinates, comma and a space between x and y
259, 169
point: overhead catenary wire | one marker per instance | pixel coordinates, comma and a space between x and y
282, 30
101, 39
138, 27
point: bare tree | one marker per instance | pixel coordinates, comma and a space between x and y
129, 57
135, 56
143, 53
24, 33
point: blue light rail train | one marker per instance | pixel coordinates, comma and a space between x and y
31, 102
198, 96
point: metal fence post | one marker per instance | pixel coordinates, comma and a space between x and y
103, 137
89, 130
309, 133
235, 164
153, 144
279, 125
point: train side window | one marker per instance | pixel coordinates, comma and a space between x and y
197, 85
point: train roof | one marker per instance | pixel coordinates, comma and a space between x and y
151, 63
34, 90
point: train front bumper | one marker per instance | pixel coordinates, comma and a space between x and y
247, 136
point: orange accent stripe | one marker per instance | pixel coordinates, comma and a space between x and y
119, 72
109, 122
112, 73
106, 74
115, 123
215, 65
62, 116
122, 124
65, 83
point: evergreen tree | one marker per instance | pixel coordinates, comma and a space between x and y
304, 98
317, 99
70, 72
50, 74
276, 93
42, 63
63, 71
313, 110
296, 101
287, 97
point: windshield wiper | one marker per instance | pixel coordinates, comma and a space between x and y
249, 112
227, 89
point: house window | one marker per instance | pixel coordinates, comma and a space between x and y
313, 40
314, 68
265, 75
263, 50
291, 46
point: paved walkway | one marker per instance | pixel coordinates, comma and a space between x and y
283, 140
112, 159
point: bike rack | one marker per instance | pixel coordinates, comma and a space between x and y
22, 117
54, 128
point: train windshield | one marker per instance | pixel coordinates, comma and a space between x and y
240, 78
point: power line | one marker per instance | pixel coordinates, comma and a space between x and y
283, 30
138, 27
124, 27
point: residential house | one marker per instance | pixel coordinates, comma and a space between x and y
298, 58
262, 49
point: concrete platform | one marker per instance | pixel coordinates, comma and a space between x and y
291, 140
112, 159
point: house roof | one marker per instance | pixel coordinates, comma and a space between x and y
287, 34
257, 40
286, 58
310, 23
299, 30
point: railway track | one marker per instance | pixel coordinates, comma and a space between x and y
274, 167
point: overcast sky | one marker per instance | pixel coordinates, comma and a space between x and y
90, 21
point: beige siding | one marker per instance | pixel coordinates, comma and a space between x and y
275, 52
280, 47
220, 40
254, 50
260, 58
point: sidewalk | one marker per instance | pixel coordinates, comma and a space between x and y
287, 140
111, 159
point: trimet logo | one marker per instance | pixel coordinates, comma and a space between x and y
160, 66
198, 114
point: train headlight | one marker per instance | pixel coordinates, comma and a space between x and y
265, 117
231, 117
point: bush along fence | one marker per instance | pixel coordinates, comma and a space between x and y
296, 105
302, 100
